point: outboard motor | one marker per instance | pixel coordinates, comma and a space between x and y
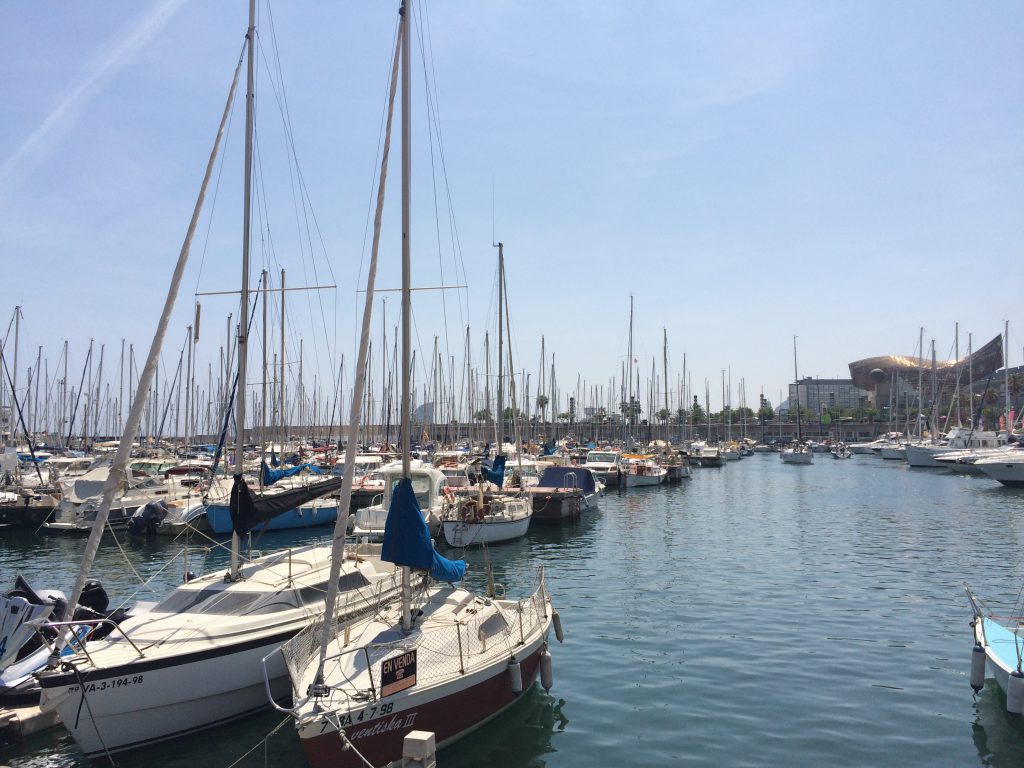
94, 596
93, 606
148, 518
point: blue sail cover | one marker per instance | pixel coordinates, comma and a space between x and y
407, 540
271, 476
495, 472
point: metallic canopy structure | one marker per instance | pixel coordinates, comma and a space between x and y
983, 362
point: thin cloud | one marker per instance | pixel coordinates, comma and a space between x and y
82, 90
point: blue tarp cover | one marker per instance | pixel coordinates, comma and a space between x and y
407, 540
495, 470
271, 476
558, 477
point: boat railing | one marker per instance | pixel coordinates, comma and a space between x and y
78, 642
455, 649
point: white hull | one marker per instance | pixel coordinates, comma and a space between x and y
796, 457
923, 456
459, 533
639, 481
1008, 471
894, 453
191, 668
145, 706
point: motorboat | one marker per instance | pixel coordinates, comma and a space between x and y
428, 483
564, 493
925, 454
192, 660
639, 470
1007, 468
605, 464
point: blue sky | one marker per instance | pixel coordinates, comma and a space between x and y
844, 172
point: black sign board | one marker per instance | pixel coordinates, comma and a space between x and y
398, 673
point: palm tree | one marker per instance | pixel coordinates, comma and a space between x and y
542, 404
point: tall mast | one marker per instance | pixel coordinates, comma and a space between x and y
956, 354
934, 410
920, 381
664, 368
406, 11
501, 301
1006, 373
263, 388
280, 384
243, 316
796, 378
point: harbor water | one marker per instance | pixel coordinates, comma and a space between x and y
756, 615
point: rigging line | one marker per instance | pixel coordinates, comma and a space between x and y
304, 196
371, 204
434, 109
220, 172
433, 176
301, 220
262, 742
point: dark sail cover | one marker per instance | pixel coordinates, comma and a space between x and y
249, 511
496, 471
407, 540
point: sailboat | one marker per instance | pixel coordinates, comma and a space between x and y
445, 660
799, 453
999, 646
192, 661
505, 515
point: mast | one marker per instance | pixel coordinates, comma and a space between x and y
243, 317
664, 370
263, 388
405, 12
629, 374
362, 374
956, 354
796, 378
501, 300
280, 385
920, 382
1006, 374
117, 471
934, 411
970, 378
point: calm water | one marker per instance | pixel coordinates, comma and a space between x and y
756, 615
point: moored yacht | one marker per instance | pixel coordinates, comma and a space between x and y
605, 464
192, 660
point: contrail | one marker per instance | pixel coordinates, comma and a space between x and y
85, 87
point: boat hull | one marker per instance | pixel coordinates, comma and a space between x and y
641, 481
152, 700
459, 533
553, 506
218, 517
1006, 472
796, 457
450, 712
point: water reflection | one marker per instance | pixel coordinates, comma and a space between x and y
998, 735
520, 736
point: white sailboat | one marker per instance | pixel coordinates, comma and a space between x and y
799, 453
495, 517
192, 661
446, 660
